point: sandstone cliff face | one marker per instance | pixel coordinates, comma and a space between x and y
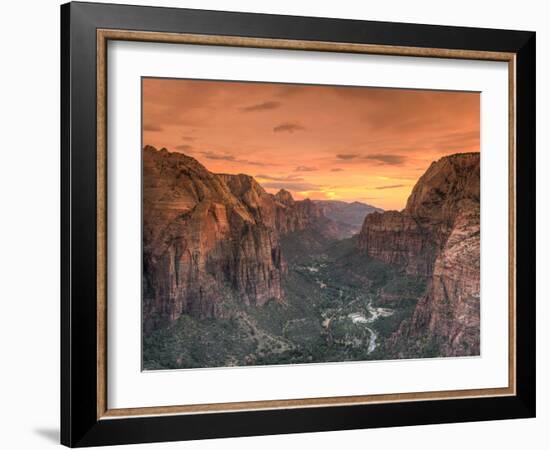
436, 235
397, 238
256, 200
212, 241
205, 241
450, 309
294, 215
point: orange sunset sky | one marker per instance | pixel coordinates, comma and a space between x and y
322, 142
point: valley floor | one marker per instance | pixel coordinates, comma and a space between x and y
340, 306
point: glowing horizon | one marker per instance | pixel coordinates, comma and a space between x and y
321, 142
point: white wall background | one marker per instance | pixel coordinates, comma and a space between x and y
29, 228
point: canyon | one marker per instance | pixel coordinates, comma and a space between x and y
234, 275
211, 241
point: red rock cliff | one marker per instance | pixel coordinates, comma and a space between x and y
436, 235
212, 241
208, 240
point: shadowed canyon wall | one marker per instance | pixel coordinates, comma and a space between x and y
436, 235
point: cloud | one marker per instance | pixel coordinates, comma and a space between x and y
305, 169
347, 156
264, 106
225, 157
188, 138
391, 186
218, 156
287, 178
290, 186
289, 127
254, 163
380, 158
336, 169
184, 147
392, 160
151, 127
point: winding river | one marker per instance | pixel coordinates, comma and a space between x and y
362, 318
374, 314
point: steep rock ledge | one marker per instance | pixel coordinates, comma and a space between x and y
436, 235
203, 246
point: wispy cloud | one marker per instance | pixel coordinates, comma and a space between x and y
289, 127
184, 147
218, 156
264, 106
347, 156
255, 163
392, 160
188, 138
390, 186
305, 169
283, 178
231, 158
337, 169
290, 186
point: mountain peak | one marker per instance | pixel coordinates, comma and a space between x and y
153, 149
448, 181
284, 197
149, 148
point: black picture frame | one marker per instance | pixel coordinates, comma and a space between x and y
80, 425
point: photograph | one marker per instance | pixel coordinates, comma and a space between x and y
295, 223
277, 222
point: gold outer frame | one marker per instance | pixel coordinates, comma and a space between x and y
103, 36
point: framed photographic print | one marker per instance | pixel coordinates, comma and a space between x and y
276, 224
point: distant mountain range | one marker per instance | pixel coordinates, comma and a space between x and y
352, 214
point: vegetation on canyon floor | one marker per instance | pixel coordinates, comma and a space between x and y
327, 316
234, 275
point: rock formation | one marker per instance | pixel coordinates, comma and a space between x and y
294, 215
206, 240
211, 242
397, 238
437, 236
